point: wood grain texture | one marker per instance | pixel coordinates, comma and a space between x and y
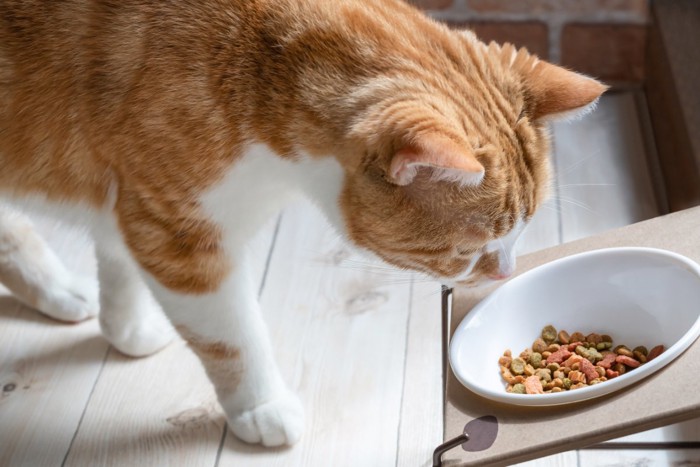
565, 459
641, 458
159, 410
47, 368
420, 423
47, 371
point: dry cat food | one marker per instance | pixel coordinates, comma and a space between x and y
558, 361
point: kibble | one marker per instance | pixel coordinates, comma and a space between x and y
539, 345
563, 337
517, 366
535, 359
549, 334
558, 361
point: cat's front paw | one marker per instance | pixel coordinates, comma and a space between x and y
137, 333
274, 423
71, 299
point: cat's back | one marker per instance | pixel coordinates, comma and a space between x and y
44, 68
73, 72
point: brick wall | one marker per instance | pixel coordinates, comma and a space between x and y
603, 38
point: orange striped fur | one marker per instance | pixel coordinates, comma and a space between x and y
156, 100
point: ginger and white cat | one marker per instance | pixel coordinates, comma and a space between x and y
173, 130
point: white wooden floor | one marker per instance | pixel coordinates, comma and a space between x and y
361, 345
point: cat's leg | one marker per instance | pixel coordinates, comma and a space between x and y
226, 331
130, 318
37, 277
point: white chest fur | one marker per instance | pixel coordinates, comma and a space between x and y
261, 183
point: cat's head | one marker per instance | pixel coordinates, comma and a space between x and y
456, 158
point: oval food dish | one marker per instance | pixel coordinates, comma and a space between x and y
639, 296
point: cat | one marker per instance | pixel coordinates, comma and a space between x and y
173, 130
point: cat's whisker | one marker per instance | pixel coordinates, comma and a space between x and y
570, 185
552, 205
578, 163
578, 204
373, 268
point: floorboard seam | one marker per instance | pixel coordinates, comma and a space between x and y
405, 360
87, 404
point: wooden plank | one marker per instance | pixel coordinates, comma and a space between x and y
159, 410
565, 459
339, 335
602, 171
47, 369
420, 425
686, 432
633, 457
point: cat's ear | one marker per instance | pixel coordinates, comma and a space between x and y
553, 91
446, 159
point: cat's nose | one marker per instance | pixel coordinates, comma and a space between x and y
499, 276
504, 271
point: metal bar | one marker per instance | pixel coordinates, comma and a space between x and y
443, 448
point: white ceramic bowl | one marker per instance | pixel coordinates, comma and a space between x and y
639, 296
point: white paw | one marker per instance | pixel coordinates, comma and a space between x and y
273, 423
137, 333
73, 299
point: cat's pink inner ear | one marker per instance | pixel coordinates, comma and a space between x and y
445, 159
559, 93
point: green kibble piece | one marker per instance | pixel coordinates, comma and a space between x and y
535, 359
544, 375
591, 354
517, 366
549, 334
601, 345
641, 349
553, 367
518, 389
566, 383
539, 345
